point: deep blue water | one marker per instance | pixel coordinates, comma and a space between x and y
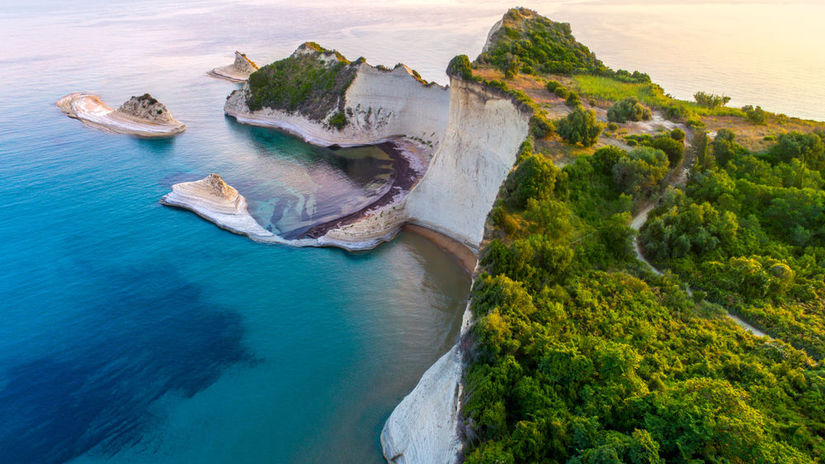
136, 333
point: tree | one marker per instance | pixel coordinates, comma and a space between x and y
640, 171
628, 109
755, 115
535, 177
580, 126
672, 148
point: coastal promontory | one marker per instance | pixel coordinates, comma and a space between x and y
216, 201
142, 116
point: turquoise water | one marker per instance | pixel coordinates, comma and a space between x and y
135, 333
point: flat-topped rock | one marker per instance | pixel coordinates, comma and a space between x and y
216, 201
142, 116
238, 71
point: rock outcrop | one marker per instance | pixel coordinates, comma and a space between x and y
141, 116
376, 104
238, 71
218, 202
473, 135
146, 108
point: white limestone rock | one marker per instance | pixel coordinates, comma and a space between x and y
140, 116
216, 201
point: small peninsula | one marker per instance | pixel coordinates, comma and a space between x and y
238, 71
142, 116
216, 201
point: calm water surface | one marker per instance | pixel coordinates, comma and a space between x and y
134, 333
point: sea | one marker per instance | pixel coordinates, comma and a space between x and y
131, 332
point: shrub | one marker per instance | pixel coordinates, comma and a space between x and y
460, 66
573, 100
535, 177
613, 126
755, 115
628, 109
709, 100
553, 85
338, 120
677, 134
640, 171
561, 92
541, 127
672, 148
605, 158
580, 126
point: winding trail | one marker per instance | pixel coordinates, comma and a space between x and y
678, 178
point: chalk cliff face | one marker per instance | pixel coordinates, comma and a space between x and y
243, 64
378, 105
479, 149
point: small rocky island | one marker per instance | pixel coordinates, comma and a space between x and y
143, 116
214, 200
238, 71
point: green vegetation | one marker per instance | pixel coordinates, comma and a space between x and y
709, 100
628, 109
580, 126
338, 120
755, 115
529, 43
581, 354
460, 66
748, 230
302, 83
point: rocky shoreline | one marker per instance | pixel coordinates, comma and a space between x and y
139, 116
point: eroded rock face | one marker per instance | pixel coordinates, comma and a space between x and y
244, 64
216, 186
147, 108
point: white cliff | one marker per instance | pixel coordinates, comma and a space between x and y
379, 104
238, 71
479, 149
218, 202
424, 427
141, 116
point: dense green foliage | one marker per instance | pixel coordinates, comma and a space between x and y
532, 44
581, 356
628, 109
302, 82
580, 126
749, 230
460, 66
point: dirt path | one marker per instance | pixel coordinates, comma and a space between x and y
678, 177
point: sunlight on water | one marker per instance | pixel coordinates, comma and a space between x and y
134, 333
